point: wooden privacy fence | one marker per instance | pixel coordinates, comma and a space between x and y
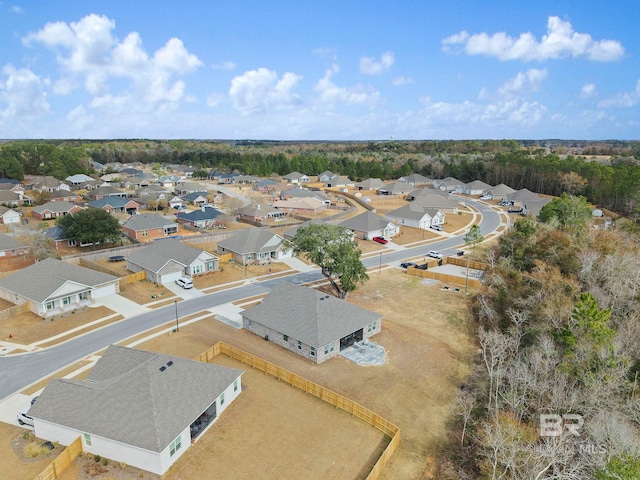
133, 277
62, 461
83, 262
461, 262
14, 311
318, 391
225, 258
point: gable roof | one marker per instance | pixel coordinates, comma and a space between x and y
112, 201
159, 253
307, 203
525, 195
501, 189
107, 190
205, 213
414, 178
79, 178
397, 188
252, 240
257, 210
365, 222
190, 197
128, 399
413, 211
436, 201
41, 280
304, 193
9, 243
147, 221
309, 315
55, 207
294, 176
370, 184
477, 185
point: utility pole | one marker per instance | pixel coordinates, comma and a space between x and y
175, 302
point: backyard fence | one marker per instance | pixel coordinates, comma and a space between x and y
133, 277
444, 277
14, 311
62, 461
317, 391
225, 258
83, 262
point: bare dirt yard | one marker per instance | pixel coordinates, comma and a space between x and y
16, 464
275, 431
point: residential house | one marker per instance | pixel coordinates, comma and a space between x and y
255, 245
247, 179
78, 180
168, 259
296, 178
11, 199
267, 185
183, 188
176, 202
116, 205
9, 216
301, 206
54, 210
53, 287
11, 247
326, 176
107, 191
196, 198
370, 184
59, 238
339, 181
46, 183
298, 192
448, 184
139, 408
291, 232
147, 226
530, 203
416, 215
310, 322
204, 217
152, 190
397, 188
498, 192
474, 188
64, 196
428, 198
368, 225
415, 179
259, 212
227, 178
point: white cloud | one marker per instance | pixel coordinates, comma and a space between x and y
588, 90
622, 99
560, 42
23, 93
224, 66
523, 83
372, 66
91, 56
257, 90
398, 81
331, 95
17, 9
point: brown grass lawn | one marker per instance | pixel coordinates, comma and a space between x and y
429, 350
15, 466
141, 292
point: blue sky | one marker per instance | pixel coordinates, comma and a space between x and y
320, 70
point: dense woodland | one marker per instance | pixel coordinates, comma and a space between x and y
611, 180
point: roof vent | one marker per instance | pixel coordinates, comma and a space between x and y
163, 368
169, 363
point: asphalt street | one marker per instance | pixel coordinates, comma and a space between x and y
19, 371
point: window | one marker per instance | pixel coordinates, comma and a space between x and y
285, 338
312, 351
66, 300
175, 446
371, 327
197, 269
221, 399
210, 266
299, 345
328, 349
235, 385
145, 233
87, 439
50, 305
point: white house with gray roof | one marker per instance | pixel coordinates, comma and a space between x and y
368, 225
416, 215
136, 407
255, 245
309, 322
169, 259
53, 287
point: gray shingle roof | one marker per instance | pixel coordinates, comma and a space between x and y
9, 243
54, 207
41, 280
309, 315
365, 222
147, 221
251, 240
413, 211
160, 252
127, 398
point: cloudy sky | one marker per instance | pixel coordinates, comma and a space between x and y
333, 70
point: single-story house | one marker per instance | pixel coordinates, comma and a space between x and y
152, 190
397, 188
325, 176
414, 179
448, 184
64, 196
140, 408
53, 287
368, 225
46, 183
296, 178
196, 198
204, 217
301, 206
339, 181
370, 184
10, 247
267, 184
298, 192
498, 192
8, 216
107, 191
531, 203
11, 199
78, 179
259, 212
474, 188
291, 232
255, 245
183, 188
61, 241
145, 226
416, 215
447, 204
54, 210
227, 178
310, 322
114, 204
247, 179
168, 259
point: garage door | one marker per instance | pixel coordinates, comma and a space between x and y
170, 277
104, 291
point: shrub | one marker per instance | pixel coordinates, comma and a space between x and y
33, 450
105, 462
96, 458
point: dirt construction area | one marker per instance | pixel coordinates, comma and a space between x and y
276, 431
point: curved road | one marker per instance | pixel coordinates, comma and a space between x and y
19, 371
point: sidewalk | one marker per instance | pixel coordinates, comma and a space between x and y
298, 265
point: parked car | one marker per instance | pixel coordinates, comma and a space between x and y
486, 197
434, 254
184, 282
24, 419
408, 264
33, 400
505, 203
381, 240
437, 227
